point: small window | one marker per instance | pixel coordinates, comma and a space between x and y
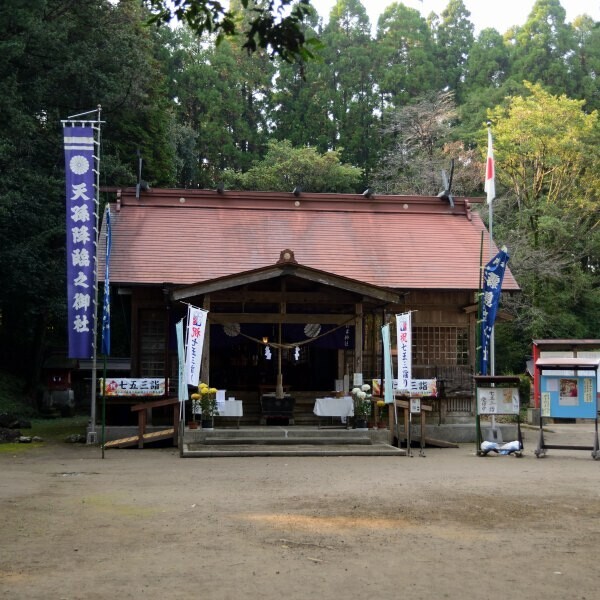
440, 346
152, 343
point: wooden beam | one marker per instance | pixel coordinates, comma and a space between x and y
298, 271
275, 297
322, 319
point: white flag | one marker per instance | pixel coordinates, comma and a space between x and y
490, 171
196, 329
404, 342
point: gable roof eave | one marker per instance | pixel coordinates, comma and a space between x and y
282, 269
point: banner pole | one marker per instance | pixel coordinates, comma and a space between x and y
492, 359
92, 435
479, 345
103, 439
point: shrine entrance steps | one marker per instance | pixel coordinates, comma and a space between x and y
286, 441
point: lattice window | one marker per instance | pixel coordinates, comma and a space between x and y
152, 343
440, 346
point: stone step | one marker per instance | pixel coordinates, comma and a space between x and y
262, 440
284, 431
233, 450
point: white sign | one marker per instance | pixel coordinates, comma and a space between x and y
498, 401
125, 386
545, 404
587, 390
415, 405
404, 343
196, 328
423, 387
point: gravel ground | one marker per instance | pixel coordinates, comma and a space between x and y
148, 524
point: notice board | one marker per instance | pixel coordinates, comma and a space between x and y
569, 396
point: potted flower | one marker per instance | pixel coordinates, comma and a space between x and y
195, 397
381, 414
362, 405
208, 405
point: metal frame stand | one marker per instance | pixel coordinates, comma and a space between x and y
570, 364
500, 382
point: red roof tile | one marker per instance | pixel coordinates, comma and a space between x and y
401, 242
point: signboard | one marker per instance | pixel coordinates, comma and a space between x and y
545, 404
125, 386
570, 396
404, 342
498, 401
420, 388
415, 405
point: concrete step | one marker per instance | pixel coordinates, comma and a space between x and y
233, 450
284, 433
295, 440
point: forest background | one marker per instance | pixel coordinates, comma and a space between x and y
386, 107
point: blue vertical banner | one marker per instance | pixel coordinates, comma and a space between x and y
493, 274
388, 375
81, 239
182, 383
106, 303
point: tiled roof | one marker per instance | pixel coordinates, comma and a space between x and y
400, 242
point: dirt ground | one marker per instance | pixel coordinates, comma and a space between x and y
148, 524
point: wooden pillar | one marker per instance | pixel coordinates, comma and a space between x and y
358, 339
282, 310
205, 369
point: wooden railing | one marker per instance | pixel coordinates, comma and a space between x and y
142, 410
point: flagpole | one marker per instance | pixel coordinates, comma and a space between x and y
92, 436
490, 185
479, 342
103, 439
106, 318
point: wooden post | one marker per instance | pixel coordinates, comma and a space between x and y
282, 310
142, 418
358, 339
205, 369
176, 424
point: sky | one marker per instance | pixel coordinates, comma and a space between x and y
501, 15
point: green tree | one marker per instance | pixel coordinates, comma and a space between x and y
584, 63
221, 98
406, 65
488, 64
300, 101
270, 26
285, 168
348, 55
547, 166
543, 145
453, 41
540, 49
52, 65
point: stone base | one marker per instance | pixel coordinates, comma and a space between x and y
533, 416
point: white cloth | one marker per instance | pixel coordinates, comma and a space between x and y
334, 407
507, 448
230, 408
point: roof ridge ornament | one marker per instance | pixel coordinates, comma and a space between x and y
287, 256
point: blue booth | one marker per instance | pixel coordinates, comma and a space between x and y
568, 390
